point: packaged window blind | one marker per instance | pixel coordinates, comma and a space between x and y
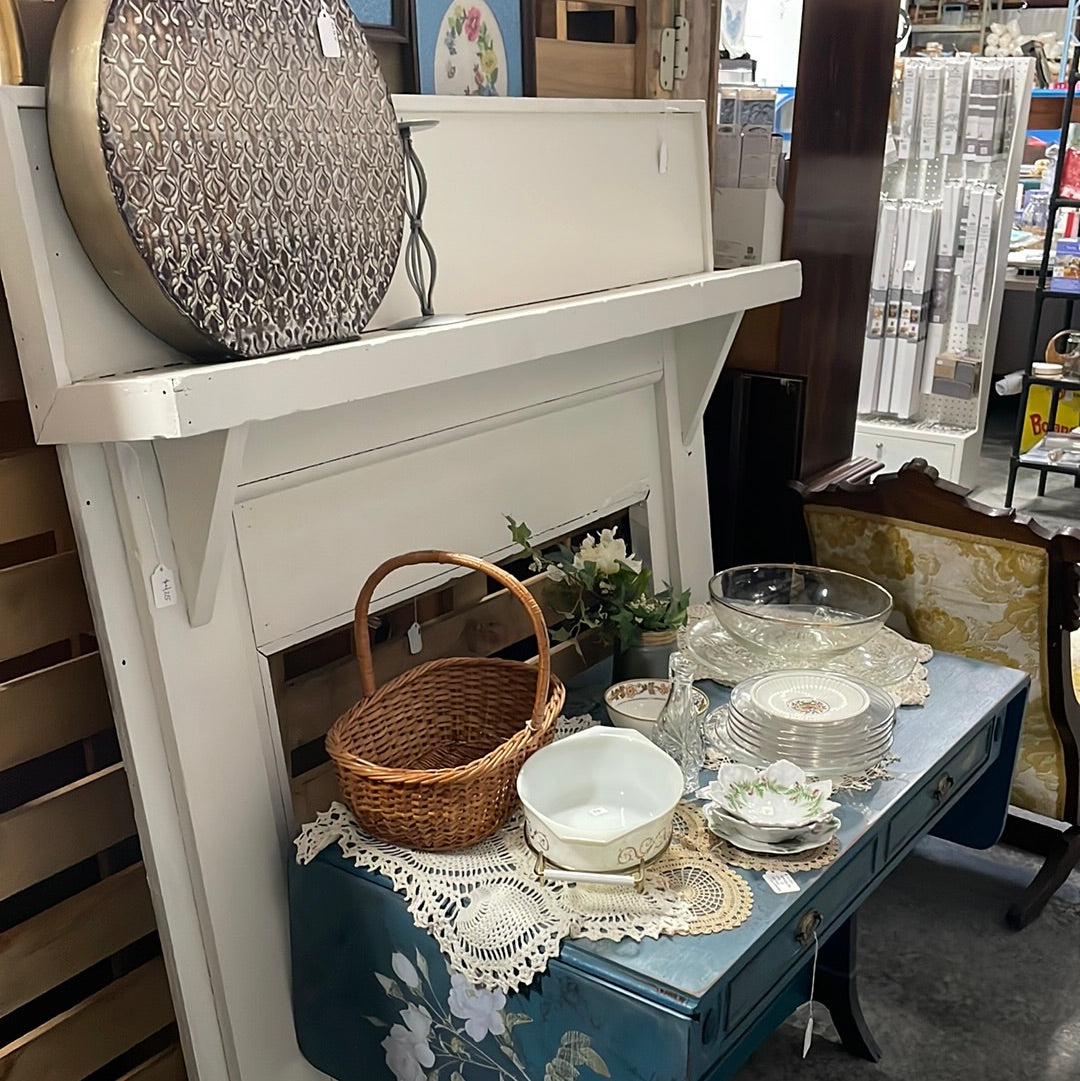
875, 315
893, 308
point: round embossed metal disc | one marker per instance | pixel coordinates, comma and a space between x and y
240, 191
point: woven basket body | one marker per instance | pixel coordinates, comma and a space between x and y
430, 760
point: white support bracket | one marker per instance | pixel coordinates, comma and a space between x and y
200, 476
700, 351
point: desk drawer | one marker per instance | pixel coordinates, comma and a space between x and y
939, 790
768, 969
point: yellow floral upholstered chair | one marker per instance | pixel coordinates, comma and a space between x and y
972, 580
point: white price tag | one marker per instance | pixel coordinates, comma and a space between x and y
808, 1035
328, 35
416, 640
781, 882
662, 163
163, 586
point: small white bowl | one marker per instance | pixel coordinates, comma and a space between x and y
602, 800
636, 703
780, 795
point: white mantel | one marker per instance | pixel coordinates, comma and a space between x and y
597, 331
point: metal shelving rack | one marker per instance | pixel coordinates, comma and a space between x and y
966, 28
1037, 457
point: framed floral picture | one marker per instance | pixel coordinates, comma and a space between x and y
384, 20
482, 48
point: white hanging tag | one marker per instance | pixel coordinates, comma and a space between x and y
328, 35
780, 882
662, 154
416, 639
163, 586
808, 1036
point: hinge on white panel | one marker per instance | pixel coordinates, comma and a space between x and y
674, 52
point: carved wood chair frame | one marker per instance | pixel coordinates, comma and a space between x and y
916, 494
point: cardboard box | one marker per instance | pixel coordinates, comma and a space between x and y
956, 377
756, 162
727, 156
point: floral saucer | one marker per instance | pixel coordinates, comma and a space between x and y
779, 795
802, 843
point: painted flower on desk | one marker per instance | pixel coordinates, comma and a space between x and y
428, 1040
480, 1010
407, 1048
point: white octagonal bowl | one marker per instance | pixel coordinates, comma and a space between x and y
602, 800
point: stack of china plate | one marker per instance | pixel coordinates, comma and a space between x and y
778, 810
827, 724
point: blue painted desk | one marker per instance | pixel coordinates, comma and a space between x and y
676, 1009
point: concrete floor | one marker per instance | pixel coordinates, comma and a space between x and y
1059, 507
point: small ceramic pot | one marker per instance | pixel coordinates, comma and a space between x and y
648, 659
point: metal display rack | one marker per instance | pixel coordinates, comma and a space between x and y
1037, 456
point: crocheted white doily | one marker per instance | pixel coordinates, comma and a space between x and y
497, 925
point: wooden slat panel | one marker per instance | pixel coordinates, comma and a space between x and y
308, 706
567, 662
167, 1066
52, 708
314, 791
86, 1037
16, 431
11, 384
53, 832
42, 603
62, 941
31, 495
583, 69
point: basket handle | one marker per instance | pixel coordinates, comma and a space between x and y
1051, 355
362, 634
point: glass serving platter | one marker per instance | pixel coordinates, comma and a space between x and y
888, 658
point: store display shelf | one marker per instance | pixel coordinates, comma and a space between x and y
190, 400
1037, 458
945, 28
1061, 382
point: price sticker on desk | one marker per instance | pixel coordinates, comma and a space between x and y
781, 882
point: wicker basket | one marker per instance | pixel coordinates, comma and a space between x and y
1069, 360
430, 760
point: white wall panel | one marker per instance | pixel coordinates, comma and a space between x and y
307, 550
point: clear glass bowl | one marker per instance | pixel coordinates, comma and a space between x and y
796, 611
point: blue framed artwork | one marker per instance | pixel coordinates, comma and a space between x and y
383, 20
481, 48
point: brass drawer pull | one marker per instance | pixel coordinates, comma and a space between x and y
943, 788
808, 925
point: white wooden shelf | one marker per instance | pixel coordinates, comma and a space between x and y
190, 400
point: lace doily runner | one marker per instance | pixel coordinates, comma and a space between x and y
499, 927
694, 834
719, 750
911, 691
813, 860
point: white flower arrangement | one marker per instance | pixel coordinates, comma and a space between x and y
602, 586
